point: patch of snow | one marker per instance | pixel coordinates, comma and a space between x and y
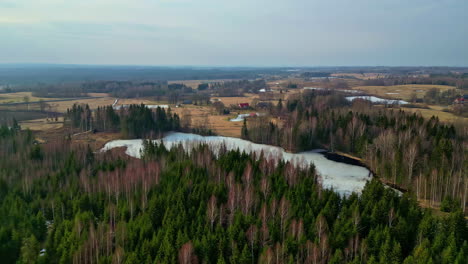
350, 91
314, 88
156, 106
376, 100
262, 90
392, 93
343, 178
239, 118
42, 252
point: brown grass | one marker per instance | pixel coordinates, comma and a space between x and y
401, 91
42, 124
227, 101
18, 97
437, 111
220, 124
95, 102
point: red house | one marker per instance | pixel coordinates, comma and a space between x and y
244, 105
461, 100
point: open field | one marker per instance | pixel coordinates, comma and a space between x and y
401, 91
42, 124
19, 97
227, 101
95, 102
98, 99
436, 111
21, 115
206, 116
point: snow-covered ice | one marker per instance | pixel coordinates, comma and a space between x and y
156, 106
375, 99
239, 118
343, 178
314, 88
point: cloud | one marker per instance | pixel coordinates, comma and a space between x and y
243, 32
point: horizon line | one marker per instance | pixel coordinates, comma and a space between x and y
223, 66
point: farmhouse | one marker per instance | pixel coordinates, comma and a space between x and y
244, 105
461, 100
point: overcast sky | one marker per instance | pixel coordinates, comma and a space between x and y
235, 32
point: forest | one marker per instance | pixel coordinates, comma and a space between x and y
424, 156
63, 203
135, 121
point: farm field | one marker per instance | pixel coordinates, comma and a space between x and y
19, 97
227, 101
98, 99
42, 124
438, 112
401, 91
205, 116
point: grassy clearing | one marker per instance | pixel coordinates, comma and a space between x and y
227, 101
8, 98
42, 124
437, 111
96, 102
93, 103
401, 91
206, 116
20, 115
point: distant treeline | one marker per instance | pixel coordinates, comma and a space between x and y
315, 74
60, 91
51, 74
460, 82
237, 88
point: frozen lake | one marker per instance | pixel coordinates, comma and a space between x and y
342, 177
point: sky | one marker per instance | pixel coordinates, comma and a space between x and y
235, 32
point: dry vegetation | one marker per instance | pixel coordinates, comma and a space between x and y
401, 91
227, 101
42, 124
438, 112
204, 116
6, 98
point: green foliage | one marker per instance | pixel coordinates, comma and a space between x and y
226, 208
